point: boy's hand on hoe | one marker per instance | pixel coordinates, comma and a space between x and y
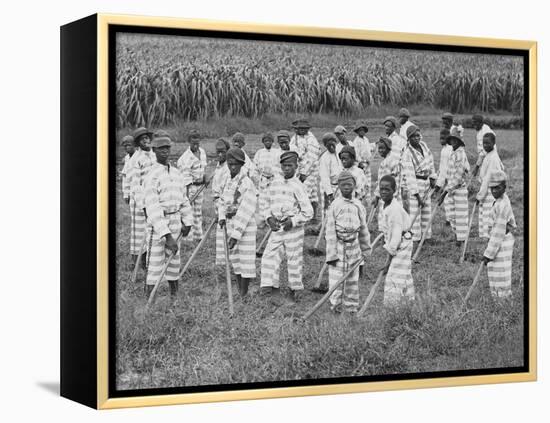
273, 224
171, 244
486, 260
302, 177
287, 224
231, 244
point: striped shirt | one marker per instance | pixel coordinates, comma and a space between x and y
443, 164
346, 221
266, 163
490, 164
395, 221
192, 167
219, 180
458, 169
239, 195
329, 170
398, 144
288, 198
388, 166
421, 165
501, 218
164, 195
141, 165
403, 129
363, 149
308, 150
125, 172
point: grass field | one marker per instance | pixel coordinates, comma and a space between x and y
197, 343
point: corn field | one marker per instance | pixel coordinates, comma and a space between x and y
164, 79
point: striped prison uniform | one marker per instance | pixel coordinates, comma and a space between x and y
141, 165
308, 150
418, 169
485, 129
360, 181
398, 146
125, 172
265, 165
399, 281
239, 195
287, 199
167, 208
403, 129
442, 177
490, 164
457, 172
500, 247
219, 180
346, 237
329, 170
363, 150
388, 166
250, 169
192, 169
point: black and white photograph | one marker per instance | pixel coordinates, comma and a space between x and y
291, 212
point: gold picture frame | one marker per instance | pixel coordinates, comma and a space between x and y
102, 313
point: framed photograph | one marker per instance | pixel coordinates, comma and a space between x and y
253, 211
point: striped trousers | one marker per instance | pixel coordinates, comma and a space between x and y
420, 224
399, 282
312, 187
499, 270
243, 254
280, 243
458, 212
220, 249
368, 186
196, 229
485, 207
138, 228
159, 254
379, 211
347, 294
447, 208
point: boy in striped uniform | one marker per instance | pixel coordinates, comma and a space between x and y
239, 142
329, 169
448, 121
266, 162
308, 150
140, 165
236, 213
446, 151
419, 174
130, 148
399, 144
397, 243
363, 151
219, 181
192, 165
498, 254
347, 238
289, 209
491, 163
481, 129
404, 121
169, 213
456, 189
340, 133
388, 166
348, 159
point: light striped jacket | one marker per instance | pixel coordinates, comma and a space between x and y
395, 221
141, 165
444, 165
363, 149
416, 164
288, 198
164, 195
329, 170
239, 195
388, 166
458, 169
192, 167
501, 217
398, 144
266, 165
125, 172
344, 218
308, 150
219, 181
490, 164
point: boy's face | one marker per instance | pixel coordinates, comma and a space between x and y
284, 143
383, 149
477, 124
346, 188
403, 119
341, 137
454, 143
389, 128
347, 160
361, 132
194, 144
331, 146
268, 142
499, 190
145, 142
447, 123
301, 131
234, 167
443, 139
238, 143
129, 148
289, 168
221, 153
386, 191
415, 139
162, 154
488, 143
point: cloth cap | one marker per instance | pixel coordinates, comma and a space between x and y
348, 149
238, 136
455, 134
267, 136
161, 133
477, 118
222, 143
161, 142
282, 133
360, 125
447, 115
127, 139
386, 141
497, 177
329, 136
413, 129
301, 124
236, 154
139, 132
392, 120
346, 176
289, 155
193, 134
340, 130
404, 112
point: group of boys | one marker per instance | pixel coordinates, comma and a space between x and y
280, 189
